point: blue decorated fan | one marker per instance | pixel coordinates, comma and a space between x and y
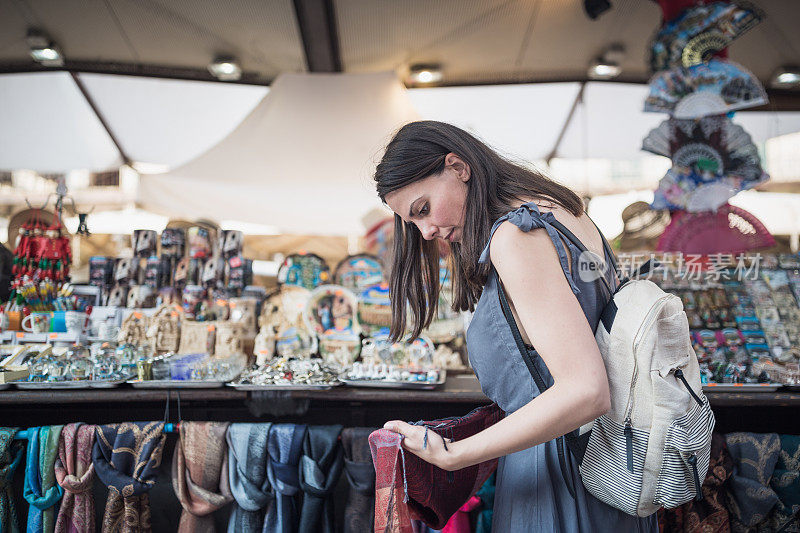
700, 32
712, 88
713, 159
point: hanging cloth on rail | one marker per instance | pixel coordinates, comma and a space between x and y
285, 445
247, 472
359, 513
200, 474
126, 458
75, 474
41, 490
320, 469
11, 453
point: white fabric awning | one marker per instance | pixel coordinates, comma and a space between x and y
48, 125
301, 161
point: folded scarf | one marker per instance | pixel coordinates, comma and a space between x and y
200, 474
749, 495
11, 453
359, 513
285, 446
75, 473
392, 514
41, 490
710, 513
785, 516
427, 492
247, 472
126, 458
320, 469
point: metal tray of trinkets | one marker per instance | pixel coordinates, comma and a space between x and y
386, 384
741, 387
287, 387
51, 385
175, 384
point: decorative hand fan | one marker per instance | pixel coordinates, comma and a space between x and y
728, 230
712, 88
686, 189
710, 145
699, 32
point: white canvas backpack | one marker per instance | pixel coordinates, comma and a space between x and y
652, 448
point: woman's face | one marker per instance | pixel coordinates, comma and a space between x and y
436, 203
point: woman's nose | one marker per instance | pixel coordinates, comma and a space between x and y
428, 232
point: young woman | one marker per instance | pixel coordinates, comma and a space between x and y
444, 184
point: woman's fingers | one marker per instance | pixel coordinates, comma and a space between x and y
413, 435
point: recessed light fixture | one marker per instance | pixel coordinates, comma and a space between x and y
786, 78
607, 65
225, 68
425, 74
43, 50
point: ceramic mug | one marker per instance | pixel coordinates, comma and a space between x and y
75, 321
58, 322
37, 323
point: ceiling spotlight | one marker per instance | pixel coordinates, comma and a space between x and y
607, 66
43, 50
604, 71
425, 74
786, 78
225, 68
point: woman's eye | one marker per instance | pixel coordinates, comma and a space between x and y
424, 210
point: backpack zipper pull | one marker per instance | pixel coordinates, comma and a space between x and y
679, 375
629, 444
697, 486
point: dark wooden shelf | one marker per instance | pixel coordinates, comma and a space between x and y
460, 389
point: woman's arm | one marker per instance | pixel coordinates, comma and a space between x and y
555, 324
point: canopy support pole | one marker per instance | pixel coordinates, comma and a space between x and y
573, 109
316, 20
82, 88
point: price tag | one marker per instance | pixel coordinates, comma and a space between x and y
20, 334
137, 315
211, 328
52, 336
174, 314
232, 305
235, 261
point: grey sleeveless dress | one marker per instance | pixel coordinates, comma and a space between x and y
531, 493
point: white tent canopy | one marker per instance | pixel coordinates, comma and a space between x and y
301, 161
48, 125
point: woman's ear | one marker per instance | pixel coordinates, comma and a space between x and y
458, 164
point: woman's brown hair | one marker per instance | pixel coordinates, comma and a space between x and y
496, 186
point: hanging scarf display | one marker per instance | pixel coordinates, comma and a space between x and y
320, 468
126, 458
749, 495
11, 453
710, 513
247, 472
41, 490
75, 473
785, 482
285, 445
200, 474
359, 513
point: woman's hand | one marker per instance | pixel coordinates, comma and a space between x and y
435, 451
